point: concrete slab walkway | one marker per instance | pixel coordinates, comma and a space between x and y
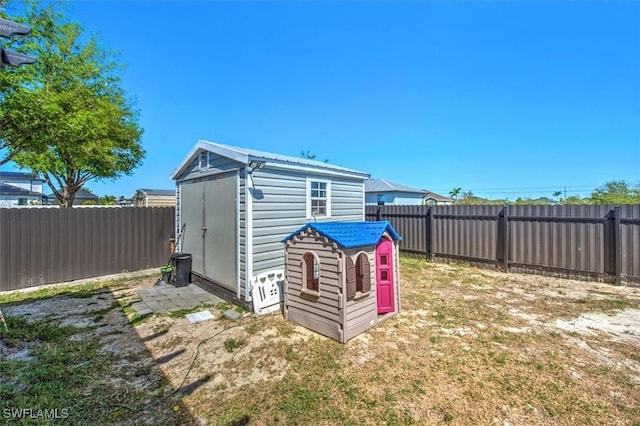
168, 298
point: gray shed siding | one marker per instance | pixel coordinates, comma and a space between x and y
280, 209
242, 233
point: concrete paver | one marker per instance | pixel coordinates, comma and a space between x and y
168, 298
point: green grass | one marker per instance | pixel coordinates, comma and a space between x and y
65, 369
232, 344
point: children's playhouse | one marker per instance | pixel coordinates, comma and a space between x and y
341, 278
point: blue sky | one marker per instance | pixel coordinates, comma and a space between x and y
505, 99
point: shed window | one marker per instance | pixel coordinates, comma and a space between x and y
318, 198
358, 276
311, 273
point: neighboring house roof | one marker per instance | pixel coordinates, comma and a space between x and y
350, 234
246, 155
437, 197
19, 175
159, 192
86, 194
81, 194
6, 189
382, 185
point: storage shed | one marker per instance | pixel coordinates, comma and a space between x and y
341, 278
237, 205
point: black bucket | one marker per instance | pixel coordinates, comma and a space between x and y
181, 263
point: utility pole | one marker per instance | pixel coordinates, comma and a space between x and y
7, 57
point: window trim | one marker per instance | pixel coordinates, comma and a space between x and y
308, 198
305, 289
358, 294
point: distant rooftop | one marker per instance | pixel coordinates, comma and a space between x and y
159, 192
19, 175
438, 197
80, 195
6, 189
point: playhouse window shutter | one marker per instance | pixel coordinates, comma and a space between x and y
366, 274
351, 279
312, 272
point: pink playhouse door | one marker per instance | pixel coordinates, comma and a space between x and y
384, 276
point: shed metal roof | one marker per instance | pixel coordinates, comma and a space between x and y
382, 185
350, 234
246, 155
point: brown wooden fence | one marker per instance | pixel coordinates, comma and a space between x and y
597, 242
49, 245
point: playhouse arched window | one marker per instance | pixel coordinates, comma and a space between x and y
311, 272
358, 276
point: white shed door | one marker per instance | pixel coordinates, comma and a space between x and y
209, 210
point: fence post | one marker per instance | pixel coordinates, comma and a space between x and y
505, 239
617, 240
378, 214
430, 227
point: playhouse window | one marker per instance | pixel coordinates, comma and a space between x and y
318, 198
358, 277
311, 273
363, 274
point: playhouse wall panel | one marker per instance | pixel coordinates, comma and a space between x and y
314, 310
361, 310
329, 330
357, 328
328, 292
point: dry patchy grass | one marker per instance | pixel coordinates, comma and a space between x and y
470, 346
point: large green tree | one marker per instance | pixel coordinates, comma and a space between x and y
66, 116
616, 192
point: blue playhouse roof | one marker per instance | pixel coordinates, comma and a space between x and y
350, 234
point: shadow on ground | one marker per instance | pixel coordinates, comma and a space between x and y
76, 358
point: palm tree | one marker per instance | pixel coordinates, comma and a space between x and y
455, 193
557, 194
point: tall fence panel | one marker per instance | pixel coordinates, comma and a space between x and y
571, 240
593, 241
629, 241
468, 233
49, 245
